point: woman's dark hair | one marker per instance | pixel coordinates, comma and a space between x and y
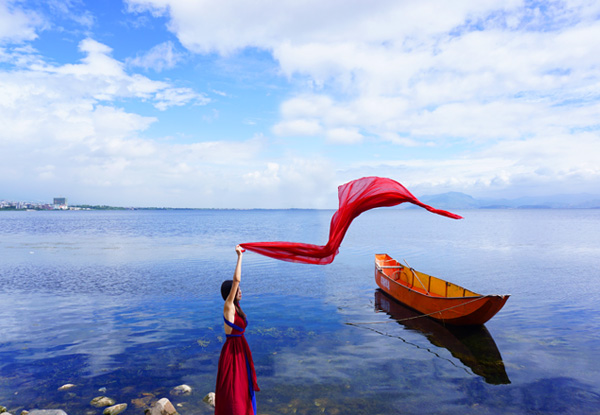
225, 290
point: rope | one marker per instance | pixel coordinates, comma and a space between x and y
415, 275
414, 345
419, 316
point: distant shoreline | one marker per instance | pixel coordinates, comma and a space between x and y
447, 201
117, 208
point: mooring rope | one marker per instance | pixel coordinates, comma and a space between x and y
427, 349
419, 316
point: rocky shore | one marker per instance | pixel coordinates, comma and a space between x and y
149, 403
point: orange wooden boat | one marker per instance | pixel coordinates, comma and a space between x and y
435, 297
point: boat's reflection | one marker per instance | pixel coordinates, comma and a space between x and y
472, 345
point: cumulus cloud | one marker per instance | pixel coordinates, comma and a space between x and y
488, 74
17, 25
64, 102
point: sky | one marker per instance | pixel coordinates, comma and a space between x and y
274, 104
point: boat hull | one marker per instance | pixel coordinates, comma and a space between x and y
434, 297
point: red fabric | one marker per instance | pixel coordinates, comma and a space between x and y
355, 198
232, 394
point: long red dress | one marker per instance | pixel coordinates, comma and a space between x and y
236, 378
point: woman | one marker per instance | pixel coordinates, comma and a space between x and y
236, 378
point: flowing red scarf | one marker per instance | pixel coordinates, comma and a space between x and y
355, 197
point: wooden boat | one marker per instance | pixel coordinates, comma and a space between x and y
435, 297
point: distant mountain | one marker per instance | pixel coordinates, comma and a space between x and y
457, 200
452, 200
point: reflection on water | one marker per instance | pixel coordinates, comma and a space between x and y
472, 345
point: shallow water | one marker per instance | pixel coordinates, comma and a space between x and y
129, 301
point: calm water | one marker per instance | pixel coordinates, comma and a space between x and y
129, 301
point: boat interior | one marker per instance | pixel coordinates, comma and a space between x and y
418, 281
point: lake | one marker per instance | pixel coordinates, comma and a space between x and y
129, 301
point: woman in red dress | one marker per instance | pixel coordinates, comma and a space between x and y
236, 378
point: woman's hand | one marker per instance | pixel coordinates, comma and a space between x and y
239, 250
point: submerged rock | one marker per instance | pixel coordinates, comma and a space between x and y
47, 412
66, 387
181, 390
210, 399
143, 402
115, 409
101, 401
162, 407
2, 409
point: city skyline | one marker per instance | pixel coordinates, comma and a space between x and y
273, 105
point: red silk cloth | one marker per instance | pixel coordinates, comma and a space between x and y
355, 198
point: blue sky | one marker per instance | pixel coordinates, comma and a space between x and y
274, 104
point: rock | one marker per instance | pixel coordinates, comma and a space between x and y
162, 407
66, 387
2, 409
115, 409
210, 399
102, 390
102, 401
181, 390
47, 412
143, 402
24, 412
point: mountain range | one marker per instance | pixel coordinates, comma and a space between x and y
457, 200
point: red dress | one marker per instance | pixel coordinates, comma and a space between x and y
236, 378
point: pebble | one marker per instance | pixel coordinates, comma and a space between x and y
101, 401
66, 387
181, 390
210, 399
47, 412
162, 407
115, 409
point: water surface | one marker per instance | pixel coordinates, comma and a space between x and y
129, 301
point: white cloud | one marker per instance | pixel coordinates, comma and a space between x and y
169, 97
547, 165
344, 136
292, 183
17, 25
160, 57
69, 9
105, 79
298, 127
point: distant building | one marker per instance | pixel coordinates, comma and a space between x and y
60, 203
